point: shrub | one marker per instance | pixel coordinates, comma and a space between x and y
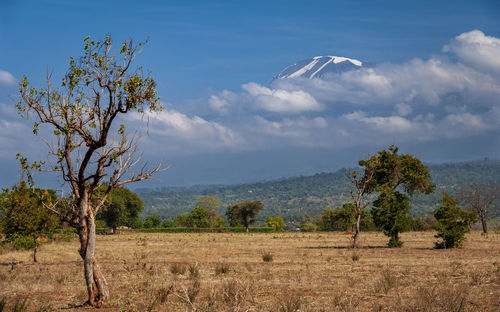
355, 257
308, 227
452, 222
267, 256
194, 271
22, 242
277, 223
394, 243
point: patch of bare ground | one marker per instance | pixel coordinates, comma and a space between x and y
227, 272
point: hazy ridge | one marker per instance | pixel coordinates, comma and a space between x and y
295, 197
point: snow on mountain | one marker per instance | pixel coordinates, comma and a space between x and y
319, 66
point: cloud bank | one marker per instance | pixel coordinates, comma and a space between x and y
454, 94
451, 95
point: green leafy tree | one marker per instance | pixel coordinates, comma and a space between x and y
452, 222
277, 223
168, 224
152, 222
210, 203
182, 220
338, 219
205, 214
391, 214
121, 208
232, 216
23, 217
396, 177
81, 114
245, 212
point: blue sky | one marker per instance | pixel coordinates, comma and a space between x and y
201, 52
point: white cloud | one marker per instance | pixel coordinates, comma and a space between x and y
384, 124
282, 101
174, 129
7, 79
476, 49
220, 103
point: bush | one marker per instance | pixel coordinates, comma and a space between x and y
22, 242
452, 222
267, 256
394, 243
308, 227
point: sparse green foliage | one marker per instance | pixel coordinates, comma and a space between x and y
452, 222
98, 87
481, 198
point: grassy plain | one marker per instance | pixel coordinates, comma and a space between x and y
226, 272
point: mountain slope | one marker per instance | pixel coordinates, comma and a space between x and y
293, 198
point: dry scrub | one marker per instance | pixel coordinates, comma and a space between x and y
226, 272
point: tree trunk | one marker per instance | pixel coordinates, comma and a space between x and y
34, 249
356, 231
484, 223
97, 288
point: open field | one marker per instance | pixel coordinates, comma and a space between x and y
226, 272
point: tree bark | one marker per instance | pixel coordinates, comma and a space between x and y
34, 249
356, 231
484, 223
97, 288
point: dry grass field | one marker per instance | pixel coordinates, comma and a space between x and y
227, 272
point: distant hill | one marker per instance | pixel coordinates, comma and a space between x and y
293, 198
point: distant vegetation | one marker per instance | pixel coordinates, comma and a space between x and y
294, 198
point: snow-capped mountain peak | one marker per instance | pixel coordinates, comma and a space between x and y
318, 66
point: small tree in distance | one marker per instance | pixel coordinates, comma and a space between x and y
245, 213
23, 216
277, 223
452, 222
87, 147
396, 177
122, 208
360, 187
481, 197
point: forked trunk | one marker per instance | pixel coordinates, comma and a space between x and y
97, 288
355, 238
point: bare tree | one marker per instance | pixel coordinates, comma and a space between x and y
86, 149
481, 197
361, 186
